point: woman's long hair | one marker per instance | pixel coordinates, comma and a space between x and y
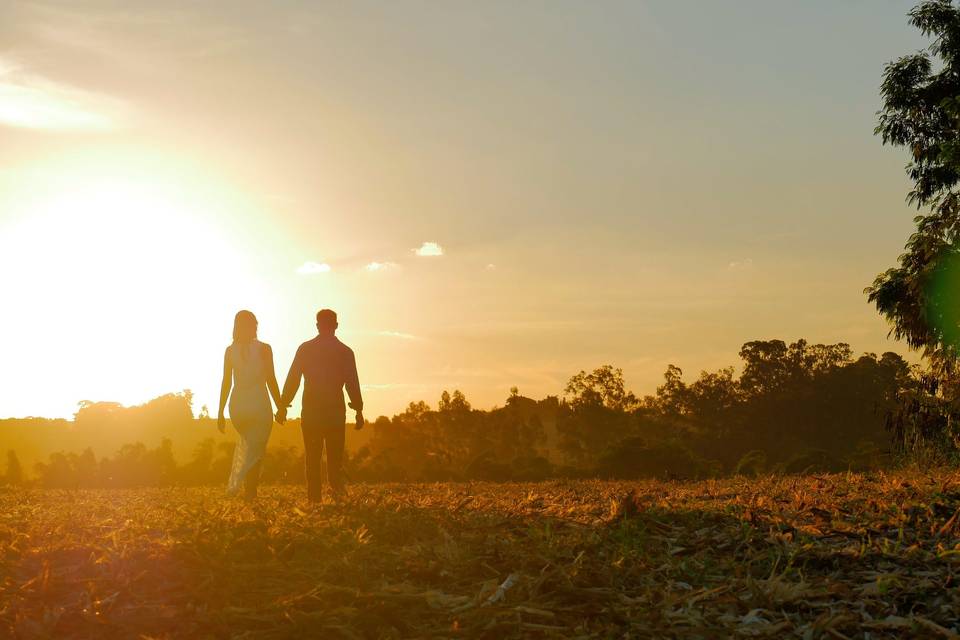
244, 328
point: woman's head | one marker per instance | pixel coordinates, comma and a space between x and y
244, 326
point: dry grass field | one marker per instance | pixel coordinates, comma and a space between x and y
832, 556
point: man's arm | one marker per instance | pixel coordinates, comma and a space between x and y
353, 388
292, 383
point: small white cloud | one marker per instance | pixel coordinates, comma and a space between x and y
429, 249
33, 102
491, 267
381, 266
310, 268
740, 265
397, 334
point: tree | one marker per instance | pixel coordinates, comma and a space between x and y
921, 111
671, 399
771, 365
603, 387
598, 412
713, 397
457, 402
14, 469
197, 470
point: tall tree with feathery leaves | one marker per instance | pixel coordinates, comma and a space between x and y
921, 111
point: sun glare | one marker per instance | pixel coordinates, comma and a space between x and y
127, 274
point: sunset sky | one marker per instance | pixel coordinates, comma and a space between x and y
489, 194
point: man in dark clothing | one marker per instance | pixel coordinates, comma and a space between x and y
327, 366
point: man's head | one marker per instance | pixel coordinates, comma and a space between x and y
326, 322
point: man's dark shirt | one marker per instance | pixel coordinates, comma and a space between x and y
326, 365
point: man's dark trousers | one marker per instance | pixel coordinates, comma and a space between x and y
316, 437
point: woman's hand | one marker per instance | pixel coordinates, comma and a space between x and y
221, 424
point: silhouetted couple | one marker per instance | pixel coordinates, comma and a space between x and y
326, 365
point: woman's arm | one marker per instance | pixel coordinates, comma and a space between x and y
272, 385
225, 385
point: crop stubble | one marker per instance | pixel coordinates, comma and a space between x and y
826, 556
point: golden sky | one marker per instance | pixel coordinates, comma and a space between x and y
489, 194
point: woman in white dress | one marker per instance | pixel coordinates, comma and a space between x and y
248, 365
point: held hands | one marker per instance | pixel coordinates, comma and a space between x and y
221, 424
281, 417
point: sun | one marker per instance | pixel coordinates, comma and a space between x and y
119, 274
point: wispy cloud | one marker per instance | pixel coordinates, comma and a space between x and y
491, 267
429, 249
398, 334
381, 266
32, 102
311, 268
740, 265
122, 37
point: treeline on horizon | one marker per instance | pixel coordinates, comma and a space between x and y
794, 408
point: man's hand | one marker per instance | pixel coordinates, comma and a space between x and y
359, 421
221, 424
281, 416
